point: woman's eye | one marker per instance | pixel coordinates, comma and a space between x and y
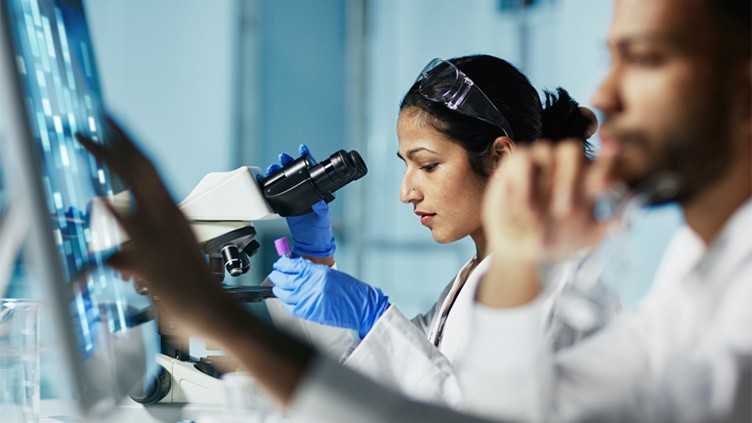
429, 167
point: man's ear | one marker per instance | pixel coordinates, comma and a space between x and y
742, 92
747, 99
748, 86
501, 148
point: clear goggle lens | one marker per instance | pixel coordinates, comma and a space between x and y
443, 82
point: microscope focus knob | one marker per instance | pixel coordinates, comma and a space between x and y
235, 261
153, 391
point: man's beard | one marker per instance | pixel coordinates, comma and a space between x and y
679, 167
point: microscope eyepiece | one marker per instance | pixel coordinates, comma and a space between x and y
293, 189
338, 170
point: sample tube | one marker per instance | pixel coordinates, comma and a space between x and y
283, 247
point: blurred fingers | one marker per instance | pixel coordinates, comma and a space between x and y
97, 150
542, 158
140, 285
122, 262
124, 159
512, 216
568, 179
518, 180
125, 222
124, 145
599, 179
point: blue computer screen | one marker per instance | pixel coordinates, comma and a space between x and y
60, 85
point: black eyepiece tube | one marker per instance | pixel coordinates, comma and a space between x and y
293, 189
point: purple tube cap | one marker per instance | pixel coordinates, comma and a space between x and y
282, 246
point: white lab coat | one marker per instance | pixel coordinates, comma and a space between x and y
685, 354
332, 393
400, 352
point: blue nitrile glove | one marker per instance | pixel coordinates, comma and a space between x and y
324, 295
311, 232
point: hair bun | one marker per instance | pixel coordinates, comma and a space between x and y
564, 118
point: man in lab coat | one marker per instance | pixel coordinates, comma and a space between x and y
676, 103
678, 98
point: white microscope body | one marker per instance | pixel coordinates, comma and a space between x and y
220, 210
221, 203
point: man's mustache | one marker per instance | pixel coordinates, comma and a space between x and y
622, 135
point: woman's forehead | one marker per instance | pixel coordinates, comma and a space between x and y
413, 125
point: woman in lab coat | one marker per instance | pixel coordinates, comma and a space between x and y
457, 123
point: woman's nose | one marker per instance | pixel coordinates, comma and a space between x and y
408, 192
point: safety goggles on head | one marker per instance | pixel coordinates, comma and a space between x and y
443, 82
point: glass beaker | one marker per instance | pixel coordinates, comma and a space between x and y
19, 360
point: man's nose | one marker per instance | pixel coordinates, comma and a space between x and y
606, 96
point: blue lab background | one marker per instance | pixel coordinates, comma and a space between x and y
209, 86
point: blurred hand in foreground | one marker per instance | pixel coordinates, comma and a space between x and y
537, 209
162, 252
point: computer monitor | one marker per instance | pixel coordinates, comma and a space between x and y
49, 90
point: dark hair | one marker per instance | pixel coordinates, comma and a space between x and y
514, 96
736, 17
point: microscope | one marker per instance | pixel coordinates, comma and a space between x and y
222, 206
221, 210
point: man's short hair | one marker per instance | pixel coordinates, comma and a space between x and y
736, 17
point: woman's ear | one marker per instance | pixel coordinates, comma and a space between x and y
500, 149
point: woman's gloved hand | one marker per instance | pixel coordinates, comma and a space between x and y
311, 232
324, 295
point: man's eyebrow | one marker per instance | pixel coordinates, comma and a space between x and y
410, 153
626, 41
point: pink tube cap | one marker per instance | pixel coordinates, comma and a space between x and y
282, 246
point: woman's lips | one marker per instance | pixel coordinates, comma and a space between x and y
425, 218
